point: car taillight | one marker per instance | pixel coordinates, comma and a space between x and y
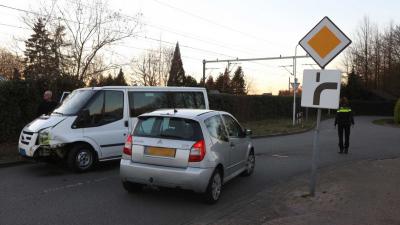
198, 151
128, 146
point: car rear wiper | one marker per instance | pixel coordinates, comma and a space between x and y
170, 136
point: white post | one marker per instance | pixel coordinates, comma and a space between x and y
315, 156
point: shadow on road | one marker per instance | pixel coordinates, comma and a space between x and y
50, 169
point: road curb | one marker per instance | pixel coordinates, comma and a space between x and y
9, 163
283, 134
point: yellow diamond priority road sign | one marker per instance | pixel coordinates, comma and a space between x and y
324, 42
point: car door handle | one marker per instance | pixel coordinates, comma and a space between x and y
232, 144
126, 123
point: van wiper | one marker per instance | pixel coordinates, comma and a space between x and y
58, 113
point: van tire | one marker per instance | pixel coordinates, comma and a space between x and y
132, 187
214, 188
81, 158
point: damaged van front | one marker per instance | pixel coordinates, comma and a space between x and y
47, 136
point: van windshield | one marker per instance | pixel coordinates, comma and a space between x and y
168, 128
74, 102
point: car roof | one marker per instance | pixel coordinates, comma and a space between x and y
180, 113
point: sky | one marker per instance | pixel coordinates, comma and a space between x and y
224, 29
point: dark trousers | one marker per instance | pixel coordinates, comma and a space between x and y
346, 130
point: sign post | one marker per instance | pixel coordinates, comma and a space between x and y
321, 88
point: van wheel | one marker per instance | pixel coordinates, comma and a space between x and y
250, 164
132, 187
214, 188
80, 158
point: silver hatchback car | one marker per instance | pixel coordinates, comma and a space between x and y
190, 149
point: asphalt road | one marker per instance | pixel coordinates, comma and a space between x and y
40, 193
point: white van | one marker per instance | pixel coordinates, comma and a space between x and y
91, 124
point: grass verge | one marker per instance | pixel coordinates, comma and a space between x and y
276, 126
386, 122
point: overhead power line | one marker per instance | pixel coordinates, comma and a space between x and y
212, 22
140, 36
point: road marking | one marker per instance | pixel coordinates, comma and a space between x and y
279, 156
74, 185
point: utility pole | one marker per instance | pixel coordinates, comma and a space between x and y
261, 59
294, 85
204, 72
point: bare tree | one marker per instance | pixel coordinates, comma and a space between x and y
90, 27
152, 67
10, 64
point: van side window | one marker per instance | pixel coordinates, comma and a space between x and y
114, 106
216, 128
189, 100
106, 107
142, 102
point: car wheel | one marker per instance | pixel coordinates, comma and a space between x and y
132, 187
214, 187
80, 158
250, 164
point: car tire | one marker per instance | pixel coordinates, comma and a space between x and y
250, 164
214, 188
132, 187
81, 158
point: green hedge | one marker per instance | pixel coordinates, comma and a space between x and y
397, 112
19, 101
253, 107
372, 108
258, 107
18, 104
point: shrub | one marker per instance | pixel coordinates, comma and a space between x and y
397, 112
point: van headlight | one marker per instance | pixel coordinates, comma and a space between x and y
44, 136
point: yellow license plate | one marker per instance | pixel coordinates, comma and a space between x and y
164, 152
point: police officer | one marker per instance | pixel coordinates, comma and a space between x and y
344, 118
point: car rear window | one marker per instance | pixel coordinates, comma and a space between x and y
168, 128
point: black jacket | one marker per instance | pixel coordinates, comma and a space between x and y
344, 117
46, 108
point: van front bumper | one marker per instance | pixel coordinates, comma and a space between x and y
189, 178
27, 144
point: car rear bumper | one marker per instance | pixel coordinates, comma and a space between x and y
189, 178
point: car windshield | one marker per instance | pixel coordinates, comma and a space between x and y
74, 102
168, 128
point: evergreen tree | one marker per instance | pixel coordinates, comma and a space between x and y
177, 73
210, 83
190, 82
238, 85
223, 82
39, 55
120, 79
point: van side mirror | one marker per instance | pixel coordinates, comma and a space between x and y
83, 119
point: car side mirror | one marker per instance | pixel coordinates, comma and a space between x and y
248, 132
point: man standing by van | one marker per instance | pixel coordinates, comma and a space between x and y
47, 105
